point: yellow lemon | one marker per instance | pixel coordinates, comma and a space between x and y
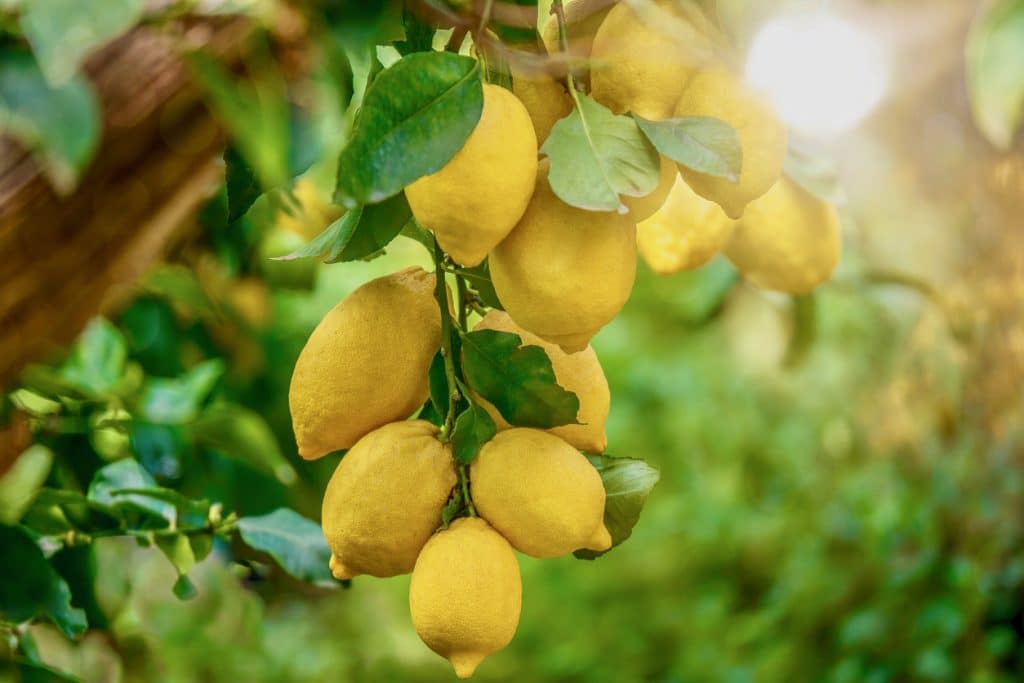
789, 240
466, 594
641, 208
385, 498
719, 94
642, 57
579, 373
687, 232
366, 363
475, 200
563, 273
546, 101
542, 494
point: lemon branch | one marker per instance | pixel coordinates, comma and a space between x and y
563, 43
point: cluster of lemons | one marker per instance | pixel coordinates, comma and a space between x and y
561, 273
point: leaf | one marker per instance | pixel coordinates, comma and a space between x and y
295, 542
242, 185
518, 381
64, 32
33, 672
180, 286
31, 587
18, 487
97, 360
61, 124
108, 483
176, 401
358, 234
438, 382
479, 280
473, 428
995, 71
627, 483
597, 156
243, 434
415, 117
184, 589
178, 551
808, 166
189, 514
705, 144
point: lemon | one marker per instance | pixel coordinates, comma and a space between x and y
687, 232
642, 57
366, 363
476, 199
579, 373
466, 594
641, 208
542, 494
313, 213
563, 272
385, 498
789, 240
719, 94
546, 101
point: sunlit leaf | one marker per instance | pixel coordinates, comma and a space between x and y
627, 483
359, 233
22, 481
704, 144
176, 401
995, 71
97, 359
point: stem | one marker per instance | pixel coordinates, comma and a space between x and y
464, 483
460, 283
563, 44
441, 294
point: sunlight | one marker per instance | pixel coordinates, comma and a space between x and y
824, 74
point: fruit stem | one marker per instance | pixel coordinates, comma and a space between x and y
447, 350
464, 483
563, 43
460, 283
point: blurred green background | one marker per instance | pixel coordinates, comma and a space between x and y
841, 475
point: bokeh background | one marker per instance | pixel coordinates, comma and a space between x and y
842, 476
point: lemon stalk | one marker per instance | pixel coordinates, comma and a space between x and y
447, 353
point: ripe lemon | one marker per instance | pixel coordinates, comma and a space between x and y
385, 498
542, 494
718, 93
546, 101
642, 208
366, 363
789, 240
579, 373
476, 199
563, 273
642, 57
687, 232
466, 594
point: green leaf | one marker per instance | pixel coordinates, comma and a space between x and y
995, 71
707, 145
178, 550
243, 434
64, 32
295, 542
243, 186
176, 401
473, 428
179, 285
597, 156
415, 117
33, 672
453, 507
61, 124
18, 487
518, 381
108, 484
627, 483
97, 360
419, 36
479, 280
188, 514
438, 382
184, 589
361, 232
31, 587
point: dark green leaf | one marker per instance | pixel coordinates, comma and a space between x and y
295, 542
243, 434
415, 117
473, 428
64, 32
995, 71
201, 544
438, 385
597, 156
479, 280
176, 401
59, 123
358, 234
33, 672
242, 185
707, 145
31, 587
519, 382
128, 474
189, 514
184, 589
419, 36
97, 360
627, 483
